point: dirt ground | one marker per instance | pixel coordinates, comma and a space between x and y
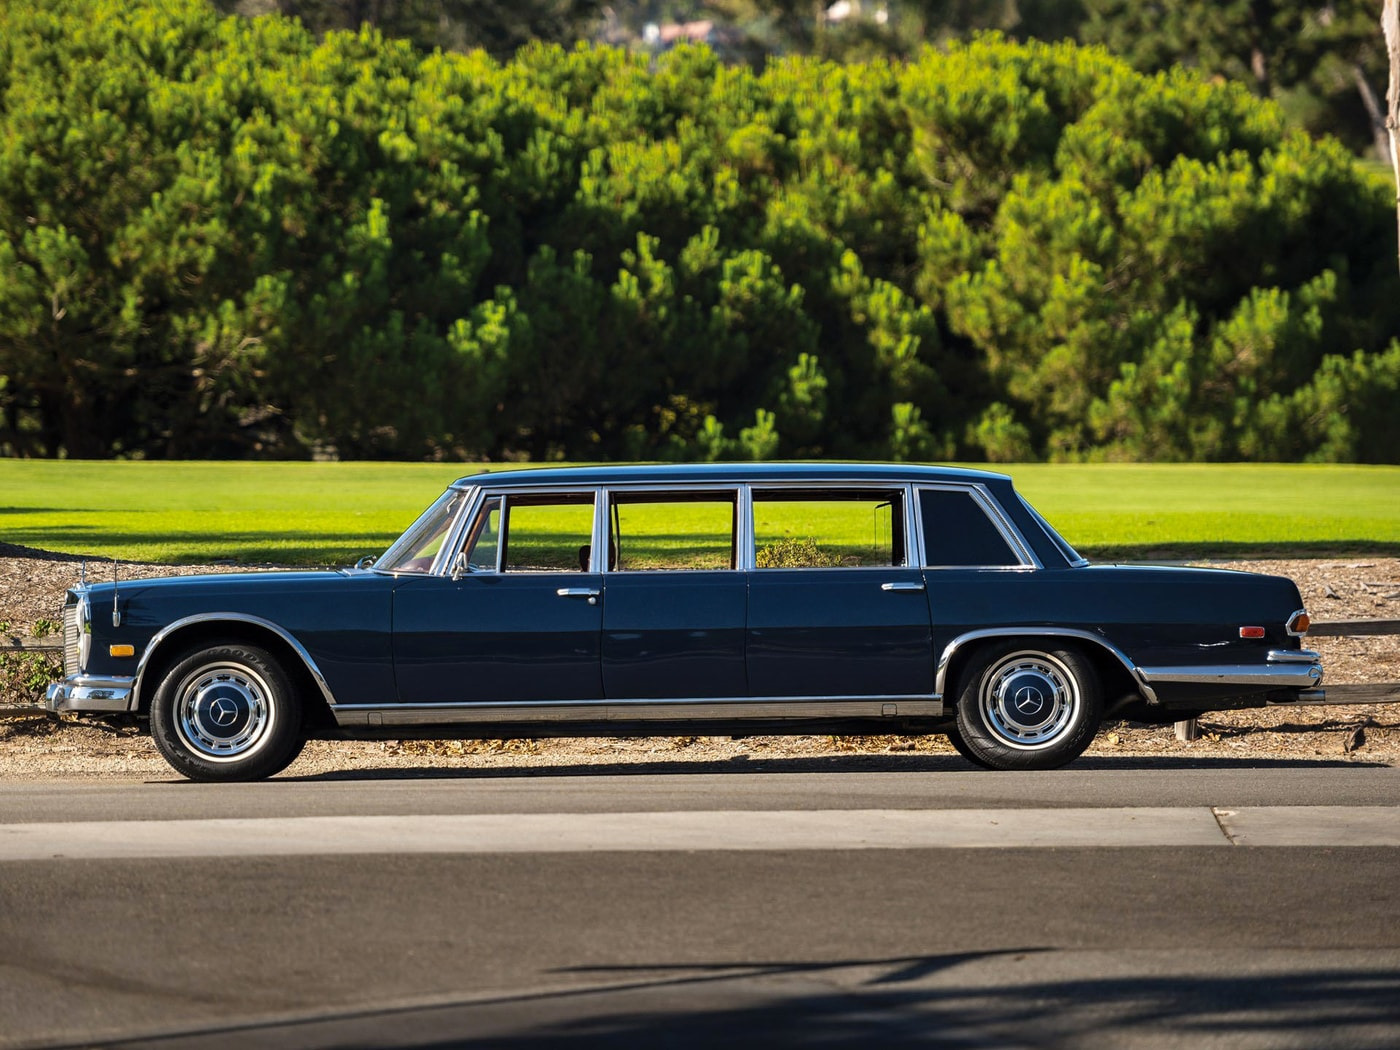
35, 747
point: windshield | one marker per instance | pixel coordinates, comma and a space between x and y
417, 549
1071, 555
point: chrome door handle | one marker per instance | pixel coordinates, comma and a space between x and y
579, 592
901, 586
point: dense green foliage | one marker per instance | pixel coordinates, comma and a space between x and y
221, 236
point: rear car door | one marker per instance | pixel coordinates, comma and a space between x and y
835, 607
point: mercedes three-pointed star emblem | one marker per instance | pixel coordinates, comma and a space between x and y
1028, 700
223, 711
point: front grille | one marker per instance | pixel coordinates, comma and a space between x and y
72, 638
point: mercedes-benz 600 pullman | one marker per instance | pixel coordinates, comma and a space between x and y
768, 598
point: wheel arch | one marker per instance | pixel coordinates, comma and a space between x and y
171, 640
1117, 672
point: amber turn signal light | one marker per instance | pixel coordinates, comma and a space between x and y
121, 650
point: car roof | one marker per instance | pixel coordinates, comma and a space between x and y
710, 473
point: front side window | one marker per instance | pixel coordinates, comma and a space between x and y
828, 529
417, 549
546, 533
483, 547
959, 532
674, 530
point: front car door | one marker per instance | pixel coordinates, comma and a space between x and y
518, 619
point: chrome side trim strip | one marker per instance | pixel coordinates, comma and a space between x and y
940, 682
642, 710
1298, 676
227, 617
80, 692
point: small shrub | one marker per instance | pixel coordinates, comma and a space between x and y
795, 554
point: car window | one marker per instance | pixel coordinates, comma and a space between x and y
796, 529
483, 546
958, 531
548, 533
417, 548
683, 530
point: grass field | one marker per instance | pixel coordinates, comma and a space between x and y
331, 513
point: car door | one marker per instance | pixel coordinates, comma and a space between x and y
834, 607
520, 617
675, 609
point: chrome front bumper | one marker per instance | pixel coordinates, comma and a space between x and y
1285, 668
82, 692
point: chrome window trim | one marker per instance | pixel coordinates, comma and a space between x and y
1066, 549
485, 493
452, 530
982, 496
452, 538
734, 489
751, 544
228, 617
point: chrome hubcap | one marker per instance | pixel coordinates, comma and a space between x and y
224, 711
1028, 699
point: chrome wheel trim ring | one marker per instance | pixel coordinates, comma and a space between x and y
1028, 700
224, 711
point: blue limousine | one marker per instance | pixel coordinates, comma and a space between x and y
699, 599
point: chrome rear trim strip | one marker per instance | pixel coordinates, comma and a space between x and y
1300, 676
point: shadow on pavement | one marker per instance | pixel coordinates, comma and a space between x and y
1032, 997
745, 764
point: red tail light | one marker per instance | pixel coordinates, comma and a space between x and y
1251, 632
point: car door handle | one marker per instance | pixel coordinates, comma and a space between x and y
902, 586
579, 592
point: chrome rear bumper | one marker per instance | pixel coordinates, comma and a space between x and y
1285, 669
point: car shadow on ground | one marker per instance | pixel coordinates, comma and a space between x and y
747, 764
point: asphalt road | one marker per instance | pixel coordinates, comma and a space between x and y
1207, 904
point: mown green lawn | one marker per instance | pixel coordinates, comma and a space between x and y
329, 513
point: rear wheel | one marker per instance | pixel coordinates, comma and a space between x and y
227, 712
1024, 707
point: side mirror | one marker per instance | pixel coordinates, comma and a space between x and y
460, 566
365, 562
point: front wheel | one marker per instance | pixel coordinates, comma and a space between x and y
227, 712
1023, 707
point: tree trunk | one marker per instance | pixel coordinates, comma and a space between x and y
1371, 101
1390, 23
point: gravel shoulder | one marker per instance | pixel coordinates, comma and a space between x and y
35, 747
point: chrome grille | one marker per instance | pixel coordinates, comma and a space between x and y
71, 637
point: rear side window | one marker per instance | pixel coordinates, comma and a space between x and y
959, 532
651, 531
828, 529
